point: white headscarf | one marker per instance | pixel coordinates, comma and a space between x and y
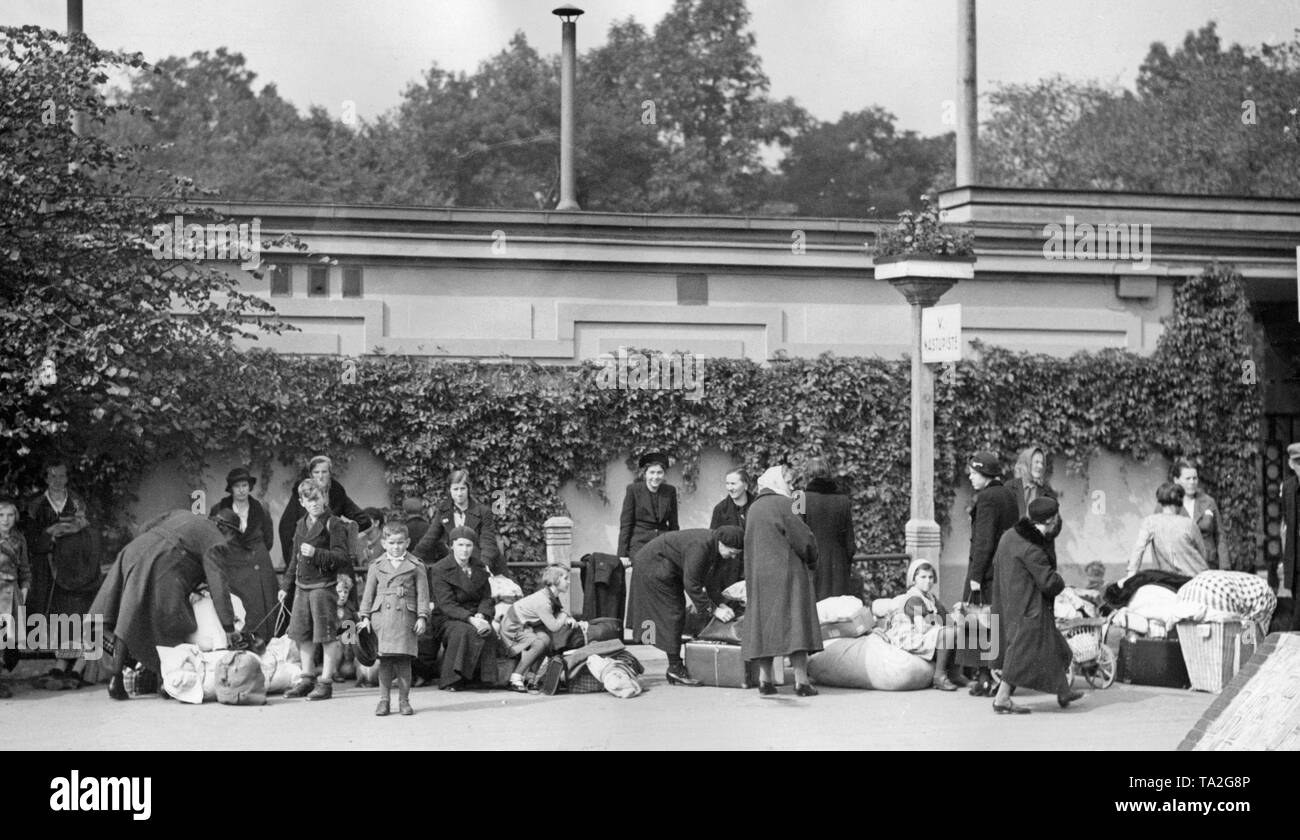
774, 480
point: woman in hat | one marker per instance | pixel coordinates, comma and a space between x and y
461, 510
993, 513
249, 569
780, 607
1031, 652
321, 470
462, 616
671, 566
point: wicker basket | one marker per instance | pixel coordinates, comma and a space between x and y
1215, 651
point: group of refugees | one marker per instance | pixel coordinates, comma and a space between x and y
428, 599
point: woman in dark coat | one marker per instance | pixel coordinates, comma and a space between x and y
1031, 652
337, 500
830, 517
462, 616
145, 598
780, 609
732, 510
992, 514
460, 510
65, 555
249, 571
649, 507
672, 564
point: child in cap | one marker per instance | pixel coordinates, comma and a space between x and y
396, 606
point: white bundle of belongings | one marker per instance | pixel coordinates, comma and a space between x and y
210, 635
1150, 612
1070, 604
232, 677
504, 593
280, 664
735, 592
844, 617
618, 677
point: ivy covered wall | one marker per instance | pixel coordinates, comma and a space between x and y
525, 429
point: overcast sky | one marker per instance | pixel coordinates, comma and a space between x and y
830, 55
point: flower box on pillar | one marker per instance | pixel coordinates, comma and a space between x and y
923, 259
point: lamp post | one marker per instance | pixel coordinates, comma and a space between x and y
568, 63
922, 281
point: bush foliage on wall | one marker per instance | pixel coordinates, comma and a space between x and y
525, 430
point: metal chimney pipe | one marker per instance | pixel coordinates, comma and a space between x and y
967, 95
568, 66
75, 26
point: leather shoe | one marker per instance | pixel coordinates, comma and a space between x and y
944, 684
766, 689
382, 709
805, 690
679, 676
1064, 700
980, 688
1011, 709
404, 707
117, 689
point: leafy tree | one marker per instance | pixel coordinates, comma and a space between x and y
860, 166
90, 346
1203, 119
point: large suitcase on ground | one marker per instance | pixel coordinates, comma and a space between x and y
1152, 662
721, 665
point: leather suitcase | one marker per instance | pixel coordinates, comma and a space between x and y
721, 665
1156, 662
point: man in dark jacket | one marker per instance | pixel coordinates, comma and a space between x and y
144, 600
993, 513
1031, 652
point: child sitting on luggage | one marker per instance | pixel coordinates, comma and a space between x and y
524, 629
396, 606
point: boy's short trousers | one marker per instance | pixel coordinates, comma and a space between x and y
315, 616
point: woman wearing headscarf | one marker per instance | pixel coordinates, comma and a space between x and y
830, 517
669, 566
462, 615
461, 510
780, 608
249, 569
1033, 472
319, 469
921, 627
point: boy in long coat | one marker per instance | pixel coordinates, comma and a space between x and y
1031, 652
396, 606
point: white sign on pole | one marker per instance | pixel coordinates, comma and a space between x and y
941, 333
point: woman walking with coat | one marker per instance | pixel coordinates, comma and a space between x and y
992, 514
670, 565
830, 517
780, 609
1032, 653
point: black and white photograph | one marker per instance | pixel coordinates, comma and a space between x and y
668, 375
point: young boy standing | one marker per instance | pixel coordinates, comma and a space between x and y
396, 606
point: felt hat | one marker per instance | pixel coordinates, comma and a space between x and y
1042, 509
367, 647
227, 517
732, 536
237, 475
987, 463
654, 458
462, 533
240, 681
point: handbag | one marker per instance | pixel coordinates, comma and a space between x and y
726, 632
977, 624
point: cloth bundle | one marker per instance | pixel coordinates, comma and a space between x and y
1230, 595
837, 609
210, 635
617, 676
280, 665
192, 675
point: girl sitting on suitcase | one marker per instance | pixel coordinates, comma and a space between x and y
528, 623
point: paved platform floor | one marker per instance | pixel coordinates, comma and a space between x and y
664, 717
